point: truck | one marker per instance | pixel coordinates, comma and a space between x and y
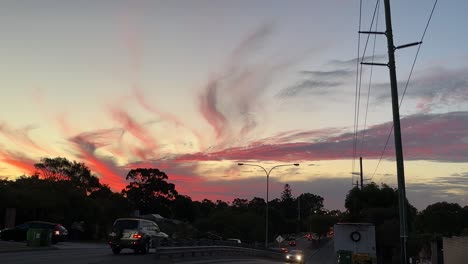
355, 243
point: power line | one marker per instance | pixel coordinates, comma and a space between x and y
357, 99
370, 81
407, 83
356, 92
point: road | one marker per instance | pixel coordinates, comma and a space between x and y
82, 253
326, 255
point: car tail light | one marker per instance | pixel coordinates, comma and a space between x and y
137, 236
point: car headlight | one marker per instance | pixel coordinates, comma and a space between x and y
298, 257
287, 257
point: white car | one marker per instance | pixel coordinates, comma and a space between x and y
295, 256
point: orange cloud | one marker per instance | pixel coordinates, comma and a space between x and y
19, 161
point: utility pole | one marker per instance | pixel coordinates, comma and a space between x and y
298, 214
397, 134
362, 178
396, 126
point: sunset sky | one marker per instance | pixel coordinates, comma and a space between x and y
194, 87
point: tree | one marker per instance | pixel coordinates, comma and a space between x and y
61, 169
378, 205
309, 203
441, 218
320, 224
183, 208
257, 205
221, 205
149, 190
286, 195
240, 204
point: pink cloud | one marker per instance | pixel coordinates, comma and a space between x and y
140, 97
208, 107
231, 101
137, 130
86, 145
17, 160
21, 137
425, 137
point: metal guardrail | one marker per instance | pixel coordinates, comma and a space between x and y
202, 251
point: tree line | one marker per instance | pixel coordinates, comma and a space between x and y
67, 192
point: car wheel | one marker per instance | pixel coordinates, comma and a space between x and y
146, 247
116, 250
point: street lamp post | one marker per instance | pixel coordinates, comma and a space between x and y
267, 176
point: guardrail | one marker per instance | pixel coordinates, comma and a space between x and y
202, 251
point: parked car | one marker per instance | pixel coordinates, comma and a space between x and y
19, 232
295, 256
134, 233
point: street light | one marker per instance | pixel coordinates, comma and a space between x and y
268, 176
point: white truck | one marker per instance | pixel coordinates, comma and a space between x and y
355, 243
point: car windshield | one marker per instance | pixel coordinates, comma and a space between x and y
126, 224
296, 252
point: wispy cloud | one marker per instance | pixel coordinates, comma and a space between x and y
21, 137
137, 130
86, 145
309, 87
438, 137
378, 58
19, 161
335, 74
231, 100
433, 88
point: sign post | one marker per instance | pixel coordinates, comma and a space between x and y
279, 239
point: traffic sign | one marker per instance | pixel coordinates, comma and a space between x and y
279, 239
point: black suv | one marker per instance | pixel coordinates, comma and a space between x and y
134, 233
19, 232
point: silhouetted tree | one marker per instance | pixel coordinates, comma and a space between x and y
240, 204
149, 191
379, 205
442, 218
320, 224
61, 169
183, 208
309, 203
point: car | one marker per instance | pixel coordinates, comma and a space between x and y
279, 250
19, 232
295, 256
135, 233
234, 240
292, 243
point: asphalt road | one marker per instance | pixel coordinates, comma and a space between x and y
325, 255
105, 256
78, 253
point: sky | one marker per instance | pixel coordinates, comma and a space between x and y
195, 87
